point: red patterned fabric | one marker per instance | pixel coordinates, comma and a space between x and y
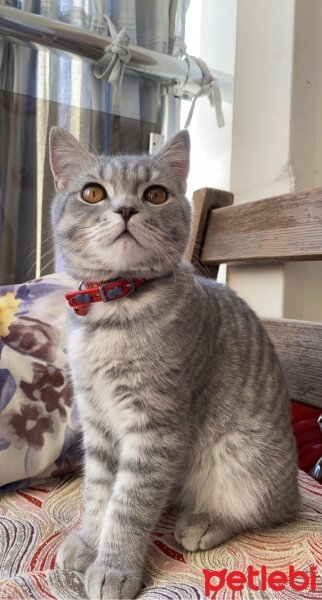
35, 521
308, 434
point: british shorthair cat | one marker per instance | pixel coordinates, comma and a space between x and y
181, 395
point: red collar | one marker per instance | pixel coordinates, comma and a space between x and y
101, 291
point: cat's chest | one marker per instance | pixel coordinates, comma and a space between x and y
92, 350
119, 337
109, 367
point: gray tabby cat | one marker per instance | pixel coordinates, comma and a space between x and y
180, 392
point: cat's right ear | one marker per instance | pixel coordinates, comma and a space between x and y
67, 157
174, 155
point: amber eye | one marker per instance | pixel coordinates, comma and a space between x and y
155, 195
93, 193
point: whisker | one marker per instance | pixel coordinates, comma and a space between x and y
168, 259
158, 238
59, 246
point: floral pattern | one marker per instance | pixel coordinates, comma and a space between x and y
7, 387
8, 308
33, 337
26, 427
49, 386
39, 434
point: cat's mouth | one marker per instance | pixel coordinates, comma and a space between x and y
125, 236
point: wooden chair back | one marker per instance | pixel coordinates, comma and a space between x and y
280, 229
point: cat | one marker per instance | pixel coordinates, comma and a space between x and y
181, 395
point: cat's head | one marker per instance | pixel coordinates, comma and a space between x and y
121, 215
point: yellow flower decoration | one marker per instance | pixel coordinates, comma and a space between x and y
8, 308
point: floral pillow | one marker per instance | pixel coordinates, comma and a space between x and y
39, 429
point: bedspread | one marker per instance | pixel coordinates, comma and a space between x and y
34, 521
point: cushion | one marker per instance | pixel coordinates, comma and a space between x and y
39, 429
34, 522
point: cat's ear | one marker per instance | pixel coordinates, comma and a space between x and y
67, 157
175, 156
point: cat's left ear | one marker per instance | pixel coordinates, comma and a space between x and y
67, 157
175, 156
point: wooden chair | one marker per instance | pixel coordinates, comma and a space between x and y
280, 229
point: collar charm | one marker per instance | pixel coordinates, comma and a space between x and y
81, 299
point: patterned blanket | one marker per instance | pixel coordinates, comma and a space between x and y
34, 521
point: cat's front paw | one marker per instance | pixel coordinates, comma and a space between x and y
200, 532
104, 583
74, 554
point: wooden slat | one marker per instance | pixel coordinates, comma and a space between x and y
203, 201
283, 228
299, 346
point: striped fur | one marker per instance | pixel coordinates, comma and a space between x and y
181, 395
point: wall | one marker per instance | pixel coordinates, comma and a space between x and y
303, 281
261, 131
272, 142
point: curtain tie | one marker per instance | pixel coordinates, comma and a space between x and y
209, 87
112, 64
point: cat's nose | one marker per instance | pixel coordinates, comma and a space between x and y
126, 212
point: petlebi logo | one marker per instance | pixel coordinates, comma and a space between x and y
259, 580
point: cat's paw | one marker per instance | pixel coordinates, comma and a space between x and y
104, 583
74, 554
199, 532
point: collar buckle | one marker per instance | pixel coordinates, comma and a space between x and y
130, 285
123, 287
